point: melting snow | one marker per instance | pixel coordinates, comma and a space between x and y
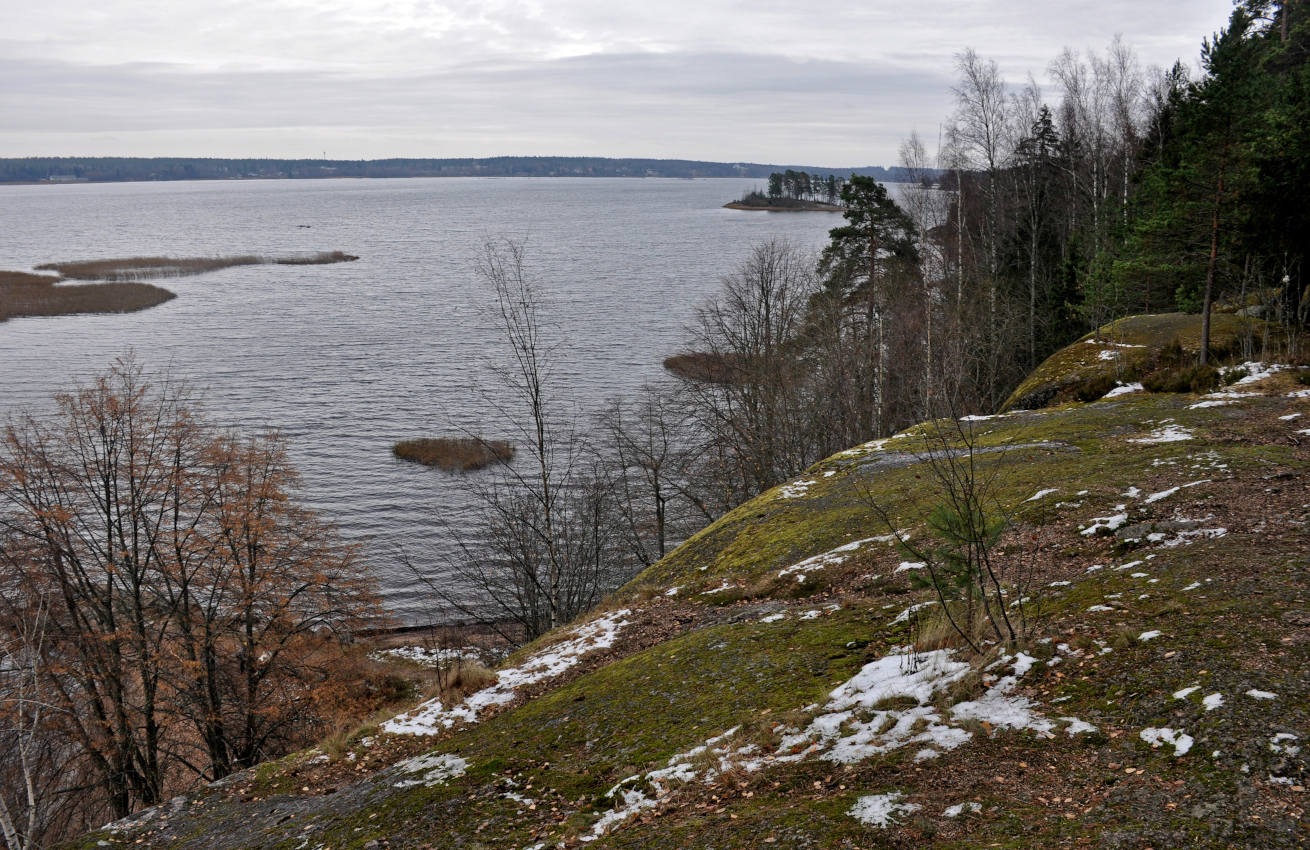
960, 808
880, 810
437, 769
1289, 417
1108, 523
801, 569
1257, 371
431, 717
1157, 738
851, 726
796, 489
1163, 494
1042, 493
1257, 694
1167, 433
432, 656
1213, 701
909, 565
904, 616
1282, 743
1151, 635
1076, 726
1185, 538
1124, 389
1186, 692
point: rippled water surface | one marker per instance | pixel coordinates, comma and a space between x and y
346, 359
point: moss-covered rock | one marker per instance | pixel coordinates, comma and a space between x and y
1122, 351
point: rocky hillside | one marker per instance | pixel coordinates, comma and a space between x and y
783, 680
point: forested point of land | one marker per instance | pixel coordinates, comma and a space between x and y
113, 169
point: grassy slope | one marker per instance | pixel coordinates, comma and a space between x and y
1233, 613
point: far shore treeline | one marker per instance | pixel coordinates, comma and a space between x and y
114, 169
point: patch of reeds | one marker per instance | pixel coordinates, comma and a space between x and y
147, 268
454, 454
705, 367
24, 294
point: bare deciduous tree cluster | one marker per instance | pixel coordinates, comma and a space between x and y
166, 606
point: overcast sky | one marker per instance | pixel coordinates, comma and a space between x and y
783, 81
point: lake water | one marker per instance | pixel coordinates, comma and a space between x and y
346, 359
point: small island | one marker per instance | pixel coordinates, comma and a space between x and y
794, 191
454, 454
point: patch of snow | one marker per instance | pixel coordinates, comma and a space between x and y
1217, 402
673, 591
431, 717
1125, 389
961, 808
1186, 692
1158, 737
1167, 433
1163, 494
880, 810
1290, 417
831, 558
1185, 538
909, 565
1258, 694
773, 618
727, 585
431, 656
437, 769
1133, 492
974, 417
1098, 608
1113, 344
1213, 701
904, 616
1040, 494
796, 489
1076, 726
1151, 635
1058, 584
1299, 394
1281, 743
1107, 523
1257, 371
1193, 586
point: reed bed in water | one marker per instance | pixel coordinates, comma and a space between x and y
146, 268
706, 367
454, 454
23, 294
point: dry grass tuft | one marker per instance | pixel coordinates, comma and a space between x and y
454, 454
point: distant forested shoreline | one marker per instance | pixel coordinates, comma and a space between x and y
131, 169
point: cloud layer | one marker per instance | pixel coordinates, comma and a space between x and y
720, 79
